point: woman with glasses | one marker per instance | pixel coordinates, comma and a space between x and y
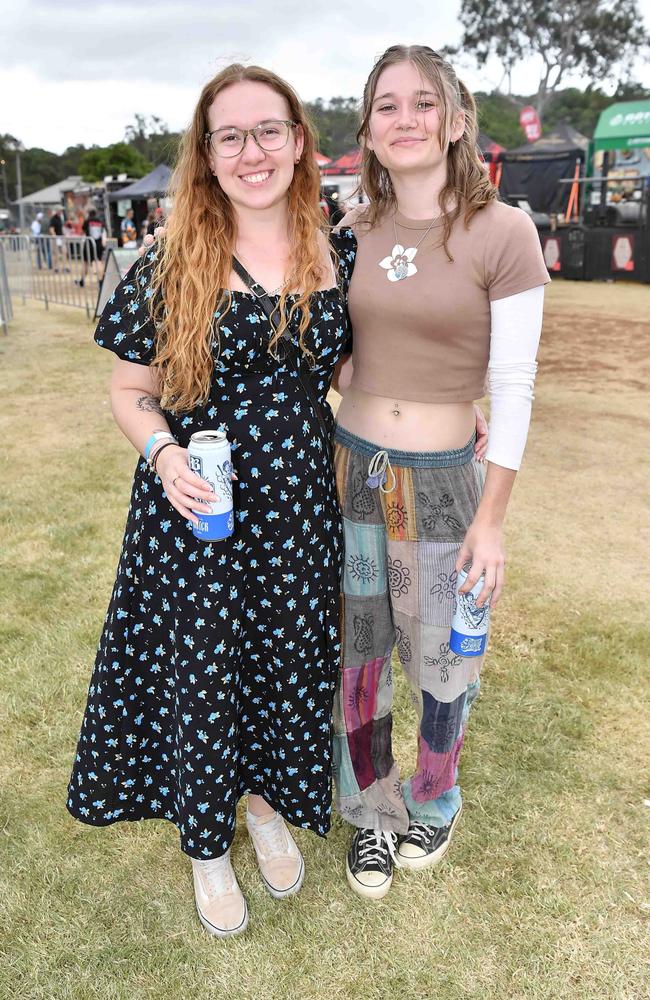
217, 664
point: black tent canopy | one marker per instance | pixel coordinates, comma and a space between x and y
533, 170
153, 185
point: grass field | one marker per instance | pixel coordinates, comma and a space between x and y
546, 891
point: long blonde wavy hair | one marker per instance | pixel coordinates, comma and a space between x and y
468, 186
192, 270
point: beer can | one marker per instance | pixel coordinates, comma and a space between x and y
469, 626
208, 455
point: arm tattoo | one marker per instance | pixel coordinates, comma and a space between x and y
149, 404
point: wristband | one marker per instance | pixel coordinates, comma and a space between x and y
154, 457
156, 436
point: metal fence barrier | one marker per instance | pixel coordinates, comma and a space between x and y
6, 311
65, 270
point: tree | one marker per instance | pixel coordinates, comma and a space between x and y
598, 39
498, 117
98, 162
150, 136
336, 122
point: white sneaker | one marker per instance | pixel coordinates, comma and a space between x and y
281, 863
219, 901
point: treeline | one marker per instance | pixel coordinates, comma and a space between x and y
148, 140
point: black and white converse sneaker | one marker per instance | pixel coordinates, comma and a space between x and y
370, 861
424, 846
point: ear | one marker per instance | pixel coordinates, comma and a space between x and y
458, 127
211, 158
299, 141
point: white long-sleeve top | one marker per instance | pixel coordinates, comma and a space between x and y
516, 326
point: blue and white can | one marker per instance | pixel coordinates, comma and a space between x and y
469, 626
208, 455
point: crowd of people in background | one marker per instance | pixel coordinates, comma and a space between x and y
54, 255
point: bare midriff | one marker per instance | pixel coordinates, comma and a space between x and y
390, 422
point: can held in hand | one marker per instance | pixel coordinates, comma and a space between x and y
209, 457
469, 626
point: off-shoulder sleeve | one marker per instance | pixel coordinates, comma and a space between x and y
345, 244
513, 261
125, 326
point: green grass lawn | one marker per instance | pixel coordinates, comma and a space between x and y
545, 893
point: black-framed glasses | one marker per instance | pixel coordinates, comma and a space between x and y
269, 137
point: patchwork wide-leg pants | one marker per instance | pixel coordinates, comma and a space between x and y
399, 582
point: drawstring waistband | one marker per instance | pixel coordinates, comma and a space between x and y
407, 459
378, 472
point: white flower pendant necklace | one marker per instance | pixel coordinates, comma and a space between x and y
399, 265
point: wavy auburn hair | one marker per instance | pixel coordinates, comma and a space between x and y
192, 271
468, 186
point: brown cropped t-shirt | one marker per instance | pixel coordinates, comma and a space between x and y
427, 337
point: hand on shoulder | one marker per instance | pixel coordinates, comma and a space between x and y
351, 217
149, 240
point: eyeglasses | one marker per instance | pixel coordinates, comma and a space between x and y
268, 136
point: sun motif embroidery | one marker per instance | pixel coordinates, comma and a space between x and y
357, 697
428, 783
396, 516
399, 577
362, 568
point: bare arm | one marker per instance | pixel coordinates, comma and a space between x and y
343, 374
135, 402
483, 544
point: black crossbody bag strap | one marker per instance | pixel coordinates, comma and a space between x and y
293, 353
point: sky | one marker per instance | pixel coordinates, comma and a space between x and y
77, 72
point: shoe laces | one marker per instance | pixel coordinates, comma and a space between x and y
218, 875
420, 833
272, 837
375, 845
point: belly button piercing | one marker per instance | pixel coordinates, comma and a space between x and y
396, 411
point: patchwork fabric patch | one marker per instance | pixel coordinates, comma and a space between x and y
433, 812
364, 573
361, 503
359, 686
346, 783
443, 673
360, 747
368, 630
382, 756
436, 772
407, 643
399, 507
446, 501
385, 690
437, 578
441, 722
403, 576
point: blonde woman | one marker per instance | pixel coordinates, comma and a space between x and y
216, 667
447, 289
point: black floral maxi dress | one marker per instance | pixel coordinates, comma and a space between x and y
217, 664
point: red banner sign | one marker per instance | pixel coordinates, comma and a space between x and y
529, 121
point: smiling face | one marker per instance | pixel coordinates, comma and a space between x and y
254, 179
404, 128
